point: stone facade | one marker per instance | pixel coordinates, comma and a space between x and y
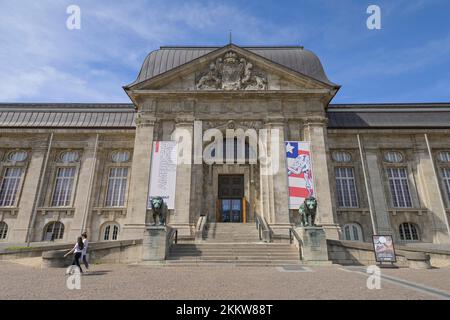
226, 88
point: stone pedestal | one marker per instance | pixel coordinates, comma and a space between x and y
156, 243
313, 245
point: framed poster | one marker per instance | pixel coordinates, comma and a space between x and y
384, 250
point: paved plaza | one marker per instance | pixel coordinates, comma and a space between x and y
24, 279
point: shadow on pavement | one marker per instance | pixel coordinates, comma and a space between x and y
96, 273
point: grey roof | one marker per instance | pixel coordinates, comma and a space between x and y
295, 58
121, 116
66, 115
414, 115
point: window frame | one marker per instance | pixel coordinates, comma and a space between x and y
441, 166
5, 164
407, 160
445, 183
410, 224
104, 227
4, 225
45, 230
350, 166
359, 231
109, 164
107, 184
408, 185
74, 184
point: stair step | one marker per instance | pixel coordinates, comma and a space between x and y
233, 244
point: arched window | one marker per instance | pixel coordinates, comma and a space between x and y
3, 230
18, 156
393, 157
353, 232
342, 156
444, 156
54, 231
120, 156
110, 231
69, 156
409, 232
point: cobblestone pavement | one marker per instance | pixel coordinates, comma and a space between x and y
108, 281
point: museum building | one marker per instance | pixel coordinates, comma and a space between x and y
377, 168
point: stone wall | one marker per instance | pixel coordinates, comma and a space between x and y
360, 253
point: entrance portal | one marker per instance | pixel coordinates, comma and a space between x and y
231, 198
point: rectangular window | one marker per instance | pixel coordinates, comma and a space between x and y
63, 187
398, 184
446, 179
10, 186
346, 188
117, 184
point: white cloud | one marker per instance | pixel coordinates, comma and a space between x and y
41, 60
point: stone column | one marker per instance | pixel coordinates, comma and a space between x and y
183, 133
315, 132
432, 195
134, 225
380, 202
83, 191
29, 192
273, 178
280, 178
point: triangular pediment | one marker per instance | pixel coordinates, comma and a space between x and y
230, 68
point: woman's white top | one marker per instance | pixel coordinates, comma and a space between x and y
86, 243
77, 248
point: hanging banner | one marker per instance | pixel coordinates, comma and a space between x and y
163, 173
299, 171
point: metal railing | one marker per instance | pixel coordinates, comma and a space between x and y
200, 227
173, 236
264, 232
293, 234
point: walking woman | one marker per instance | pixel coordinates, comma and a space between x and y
77, 250
85, 248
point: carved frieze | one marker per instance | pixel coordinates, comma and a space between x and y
231, 72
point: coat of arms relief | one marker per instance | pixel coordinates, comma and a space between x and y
231, 72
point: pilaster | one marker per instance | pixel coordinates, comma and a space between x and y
29, 192
380, 202
134, 225
433, 199
83, 191
184, 134
315, 133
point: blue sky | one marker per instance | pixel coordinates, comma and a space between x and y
408, 60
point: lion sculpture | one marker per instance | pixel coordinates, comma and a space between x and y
158, 210
307, 212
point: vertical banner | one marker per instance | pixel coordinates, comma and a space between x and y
299, 171
163, 173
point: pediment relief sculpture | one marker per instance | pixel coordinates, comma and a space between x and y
231, 72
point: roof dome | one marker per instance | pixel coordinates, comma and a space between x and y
293, 57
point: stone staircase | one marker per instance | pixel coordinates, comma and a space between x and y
231, 233
233, 244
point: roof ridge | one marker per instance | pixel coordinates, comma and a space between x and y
245, 47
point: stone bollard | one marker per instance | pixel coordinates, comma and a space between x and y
418, 260
55, 259
156, 243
